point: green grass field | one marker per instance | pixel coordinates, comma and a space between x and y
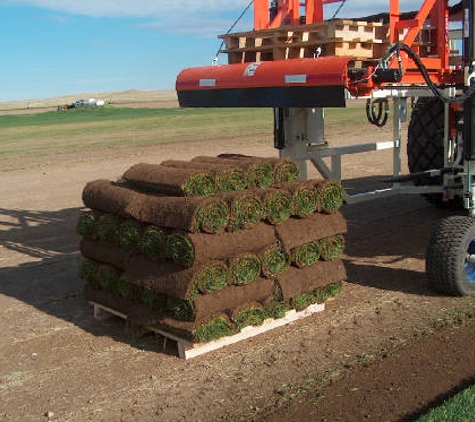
460, 408
82, 130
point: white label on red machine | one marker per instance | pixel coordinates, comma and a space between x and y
295, 79
207, 82
251, 69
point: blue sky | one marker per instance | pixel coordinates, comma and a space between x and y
61, 47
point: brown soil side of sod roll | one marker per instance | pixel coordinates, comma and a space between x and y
163, 211
229, 244
298, 231
164, 179
175, 212
166, 277
106, 254
296, 281
106, 196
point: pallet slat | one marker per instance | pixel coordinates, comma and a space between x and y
188, 350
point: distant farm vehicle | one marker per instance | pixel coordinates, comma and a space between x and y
81, 103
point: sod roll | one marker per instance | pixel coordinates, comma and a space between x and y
106, 196
153, 243
218, 327
277, 204
170, 180
330, 196
298, 231
317, 295
284, 169
245, 209
106, 254
332, 247
87, 224
172, 280
258, 173
193, 214
130, 236
304, 196
274, 260
107, 277
297, 281
88, 272
107, 229
244, 268
187, 249
248, 314
306, 254
228, 177
231, 298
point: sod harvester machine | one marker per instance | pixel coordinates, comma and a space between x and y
298, 63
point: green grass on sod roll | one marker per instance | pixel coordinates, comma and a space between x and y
212, 217
130, 236
246, 211
180, 250
319, 295
202, 184
276, 309
231, 179
212, 277
253, 315
154, 300
305, 255
86, 225
88, 272
153, 243
286, 170
213, 330
129, 291
108, 278
332, 247
278, 206
244, 269
260, 175
305, 201
274, 261
328, 291
108, 229
183, 310
330, 196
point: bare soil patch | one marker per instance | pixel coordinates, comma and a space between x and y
54, 357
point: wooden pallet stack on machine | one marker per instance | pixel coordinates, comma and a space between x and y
365, 41
202, 249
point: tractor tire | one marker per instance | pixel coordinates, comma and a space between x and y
425, 147
450, 258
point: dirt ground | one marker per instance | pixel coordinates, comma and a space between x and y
384, 350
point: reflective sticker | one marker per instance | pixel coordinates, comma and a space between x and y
207, 82
251, 69
295, 79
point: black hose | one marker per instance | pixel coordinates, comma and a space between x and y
380, 117
397, 47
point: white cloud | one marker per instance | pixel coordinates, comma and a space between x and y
134, 8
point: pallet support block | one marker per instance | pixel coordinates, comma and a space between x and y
188, 350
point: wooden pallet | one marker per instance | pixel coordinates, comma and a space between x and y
359, 39
189, 350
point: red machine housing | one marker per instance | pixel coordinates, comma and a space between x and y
284, 83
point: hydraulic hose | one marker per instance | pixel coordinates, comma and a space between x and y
397, 47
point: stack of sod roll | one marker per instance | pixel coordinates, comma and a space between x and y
206, 247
